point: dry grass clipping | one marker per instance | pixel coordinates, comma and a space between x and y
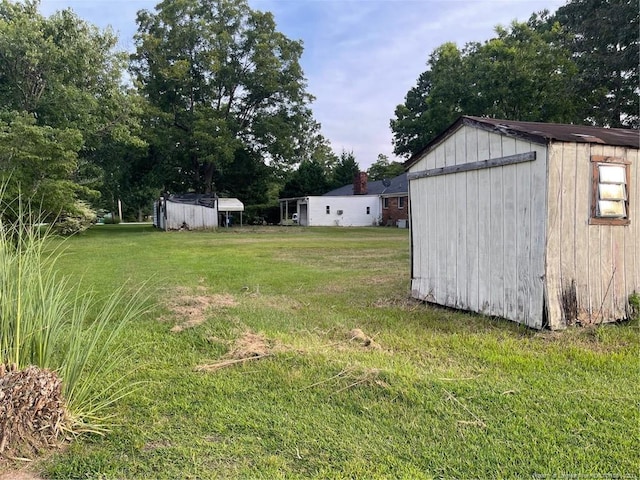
32, 412
358, 336
351, 377
191, 310
250, 346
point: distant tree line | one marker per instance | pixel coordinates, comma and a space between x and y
214, 100
579, 65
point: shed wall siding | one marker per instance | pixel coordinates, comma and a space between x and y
195, 216
479, 236
353, 207
591, 269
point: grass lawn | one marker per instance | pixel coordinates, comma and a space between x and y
414, 392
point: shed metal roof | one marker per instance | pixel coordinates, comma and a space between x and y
540, 133
230, 205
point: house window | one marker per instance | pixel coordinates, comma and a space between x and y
368, 210
385, 202
610, 191
400, 202
328, 209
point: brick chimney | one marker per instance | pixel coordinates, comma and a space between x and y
360, 183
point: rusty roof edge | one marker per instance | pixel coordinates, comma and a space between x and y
506, 130
528, 131
441, 137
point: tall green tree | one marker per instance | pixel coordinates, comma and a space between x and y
524, 73
221, 81
65, 75
309, 179
344, 170
383, 168
436, 100
37, 163
603, 37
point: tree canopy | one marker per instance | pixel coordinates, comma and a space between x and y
220, 81
577, 66
62, 101
383, 168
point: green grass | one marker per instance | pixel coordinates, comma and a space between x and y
444, 394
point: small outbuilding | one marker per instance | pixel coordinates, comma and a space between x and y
189, 211
537, 223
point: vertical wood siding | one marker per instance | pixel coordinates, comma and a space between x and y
195, 216
479, 237
590, 269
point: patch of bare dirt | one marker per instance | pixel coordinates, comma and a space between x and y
191, 309
19, 475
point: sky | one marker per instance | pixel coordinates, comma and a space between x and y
360, 57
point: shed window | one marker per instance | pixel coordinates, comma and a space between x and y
400, 202
368, 210
610, 191
328, 209
385, 202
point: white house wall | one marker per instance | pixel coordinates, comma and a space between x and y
353, 210
195, 216
591, 269
478, 237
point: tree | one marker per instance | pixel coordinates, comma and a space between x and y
603, 37
433, 103
523, 74
37, 163
308, 179
220, 80
344, 170
60, 78
382, 168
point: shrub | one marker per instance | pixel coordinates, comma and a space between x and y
70, 223
48, 322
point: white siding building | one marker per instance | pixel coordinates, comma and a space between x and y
536, 223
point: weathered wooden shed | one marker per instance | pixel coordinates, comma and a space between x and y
537, 223
190, 211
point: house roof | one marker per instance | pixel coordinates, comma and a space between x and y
540, 133
397, 185
202, 199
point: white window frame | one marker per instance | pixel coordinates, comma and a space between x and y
609, 190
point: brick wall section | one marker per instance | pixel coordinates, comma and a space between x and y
393, 213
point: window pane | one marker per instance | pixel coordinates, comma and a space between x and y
612, 191
612, 174
609, 208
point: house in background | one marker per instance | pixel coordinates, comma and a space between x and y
360, 204
537, 223
193, 211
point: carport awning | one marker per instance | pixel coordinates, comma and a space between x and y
230, 205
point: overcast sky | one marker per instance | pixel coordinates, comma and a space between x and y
360, 56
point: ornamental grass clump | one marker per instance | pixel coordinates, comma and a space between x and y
61, 353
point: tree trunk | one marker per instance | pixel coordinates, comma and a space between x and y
208, 178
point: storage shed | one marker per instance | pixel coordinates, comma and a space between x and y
190, 211
533, 222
